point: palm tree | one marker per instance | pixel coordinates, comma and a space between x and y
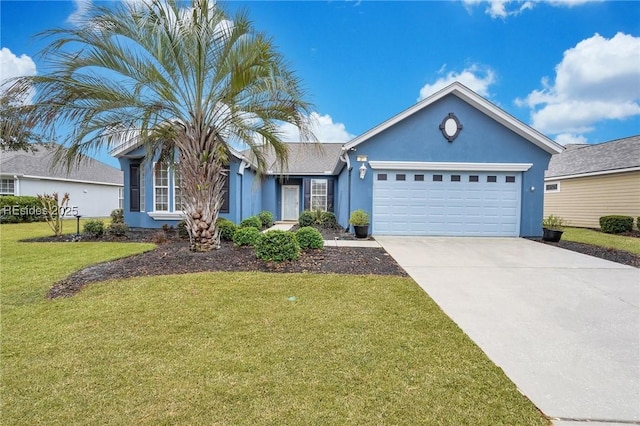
185, 80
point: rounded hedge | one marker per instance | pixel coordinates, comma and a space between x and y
266, 218
94, 228
306, 219
118, 229
21, 209
277, 246
183, 232
309, 237
328, 220
246, 236
252, 221
616, 224
227, 229
117, 216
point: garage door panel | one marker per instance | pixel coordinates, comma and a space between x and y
447, 207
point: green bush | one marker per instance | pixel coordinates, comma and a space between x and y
248, 236
328, 220
309, 237
20, 209
553, 222
615, 224
117, 216
183, 232
227, 229
278, 246
252, 221
266, 218
117, 229
359, 218
306, 219
94, 228
638, 223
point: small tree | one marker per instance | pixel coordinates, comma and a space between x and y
54, 210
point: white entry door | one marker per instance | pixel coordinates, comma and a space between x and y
290, 202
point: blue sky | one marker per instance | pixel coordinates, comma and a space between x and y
570, 69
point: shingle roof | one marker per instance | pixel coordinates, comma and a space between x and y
39, 163
305, 159
608, 156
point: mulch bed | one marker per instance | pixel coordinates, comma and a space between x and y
172, 256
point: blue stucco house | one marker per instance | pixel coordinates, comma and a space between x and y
453, 164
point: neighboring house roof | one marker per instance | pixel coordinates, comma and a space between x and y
305, 159
39, 164
478, 102
609, 157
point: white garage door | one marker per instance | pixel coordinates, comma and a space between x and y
446, 203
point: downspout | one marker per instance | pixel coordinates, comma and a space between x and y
243, 165
344, 156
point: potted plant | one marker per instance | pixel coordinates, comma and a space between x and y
360, 221
552, 228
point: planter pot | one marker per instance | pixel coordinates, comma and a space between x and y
362, 231
552, 235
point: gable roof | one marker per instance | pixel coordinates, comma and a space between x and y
305, 159
478, 102
615, 156
39, 164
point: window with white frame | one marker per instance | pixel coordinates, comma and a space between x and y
178, 204
552, 187
121, 198
318, 194
142, 186
161, 187
7, 187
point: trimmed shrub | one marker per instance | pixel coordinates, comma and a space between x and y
306, 219
117, 216
309, 237
227, 229
117, 229
328, 220
252, 221
94, 228
266, 218
615, 224
248, 236
20, 209
638, 223
183, 232
277, 246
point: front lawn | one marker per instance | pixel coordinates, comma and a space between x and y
589, 236
235, 348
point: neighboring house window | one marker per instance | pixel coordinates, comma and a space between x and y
161, 187
177, 192
7, 187
319, 194
121, 198
552, 187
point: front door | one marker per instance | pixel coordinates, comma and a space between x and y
290, 202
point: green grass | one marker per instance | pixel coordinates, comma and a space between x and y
235, 348
589, 236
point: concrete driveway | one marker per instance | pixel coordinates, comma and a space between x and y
565, 327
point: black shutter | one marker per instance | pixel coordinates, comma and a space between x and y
225, 196
330, 195
306, 190
134, 187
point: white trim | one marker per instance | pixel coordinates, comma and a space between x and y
421, 165
551, 191
166, 215
65, 180
477, 102
168, 187
326, 192
283, 206
600, 173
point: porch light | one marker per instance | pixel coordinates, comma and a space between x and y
363, 171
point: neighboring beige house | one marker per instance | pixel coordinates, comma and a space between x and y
586, 182
94, 188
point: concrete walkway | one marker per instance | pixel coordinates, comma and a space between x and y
564, 327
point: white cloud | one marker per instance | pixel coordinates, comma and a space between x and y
567, 138
475, 78
323, 127
80, 12
598, 79
15, 66
505, 8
